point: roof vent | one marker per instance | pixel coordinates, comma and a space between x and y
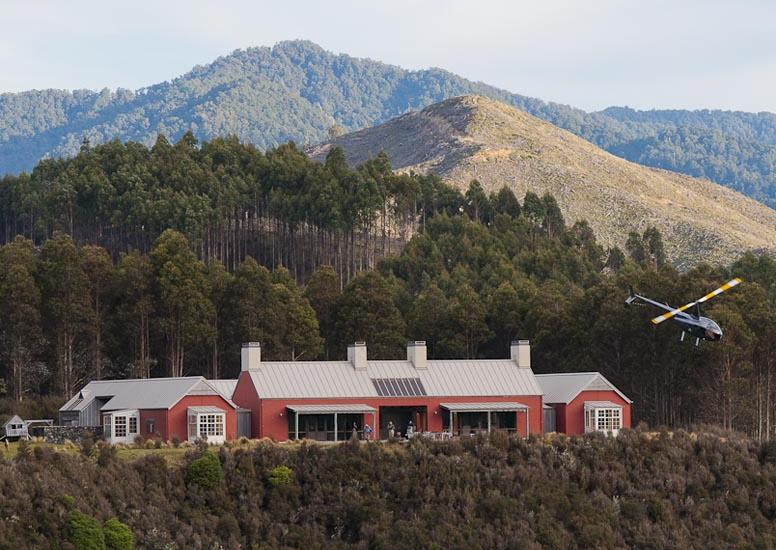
357, 355
250, 356
520, 353
416, 353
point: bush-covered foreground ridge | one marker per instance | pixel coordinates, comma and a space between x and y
640, 489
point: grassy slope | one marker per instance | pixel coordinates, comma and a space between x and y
476, 137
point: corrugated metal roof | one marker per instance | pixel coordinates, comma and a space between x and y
564, 387
15, 419
208, 410
224, 387
333, 379
331, 409
140, 393
601, 405
483, 407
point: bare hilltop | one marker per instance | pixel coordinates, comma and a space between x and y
473, 137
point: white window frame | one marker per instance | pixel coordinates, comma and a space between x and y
121, 426
207, 426
603, 419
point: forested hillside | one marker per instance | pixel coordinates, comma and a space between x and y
639, 490
161, 262
474, 137
298, 91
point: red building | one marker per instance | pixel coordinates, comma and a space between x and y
186, 408
325, 400
582, 402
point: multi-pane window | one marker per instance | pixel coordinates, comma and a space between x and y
133, 424
211, 425
603, 419
120, 426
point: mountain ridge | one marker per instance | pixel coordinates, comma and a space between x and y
297, 91
473, 137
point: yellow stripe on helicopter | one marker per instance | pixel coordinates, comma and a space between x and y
730, 284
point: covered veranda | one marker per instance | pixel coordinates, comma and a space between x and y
470, 418
329, 422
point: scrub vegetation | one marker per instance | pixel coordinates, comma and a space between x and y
641, 489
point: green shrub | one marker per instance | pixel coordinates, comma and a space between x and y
85, 532
205, 471
118, 536
281, 475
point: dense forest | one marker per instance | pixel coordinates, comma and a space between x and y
639, 490
134, 262
298, 91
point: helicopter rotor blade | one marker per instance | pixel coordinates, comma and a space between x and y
730, 284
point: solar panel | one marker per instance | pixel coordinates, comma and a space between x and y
398, 387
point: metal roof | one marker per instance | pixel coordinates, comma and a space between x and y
140, 393
15, 419
564, 387
441, 378
331, 409
601, 405
483, 407
208, 410
224, 387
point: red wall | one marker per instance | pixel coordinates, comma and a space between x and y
574, 417
560, 417
177, 423
245, 396
272, 420
160, 423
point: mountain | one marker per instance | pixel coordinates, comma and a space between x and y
297, 91
475, 137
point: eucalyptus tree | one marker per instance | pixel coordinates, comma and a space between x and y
182, 296
66, 307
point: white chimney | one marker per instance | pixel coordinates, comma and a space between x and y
520, 353
416, 352
250, 356
357, 355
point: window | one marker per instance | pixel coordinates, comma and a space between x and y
149, 425
133, 424
211, 425
106, 425
120, 426
607, 419
603, 419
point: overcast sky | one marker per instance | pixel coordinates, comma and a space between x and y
587, 53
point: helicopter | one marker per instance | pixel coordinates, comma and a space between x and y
701, 327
